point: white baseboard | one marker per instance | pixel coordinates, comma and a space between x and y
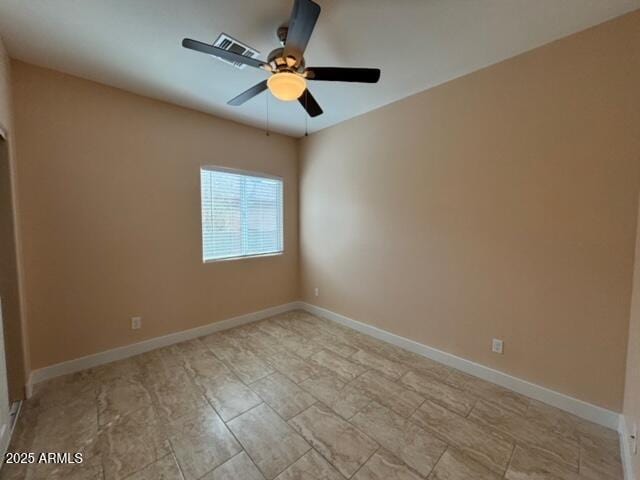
625, 449
108, 356
569, 404
577, 407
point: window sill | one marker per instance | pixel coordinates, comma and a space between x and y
245, 257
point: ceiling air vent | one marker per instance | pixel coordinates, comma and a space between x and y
226, 42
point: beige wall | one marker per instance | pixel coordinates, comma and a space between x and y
5, 95
110, 207
17, 364
632, 389
502, 204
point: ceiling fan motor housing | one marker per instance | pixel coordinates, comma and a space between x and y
280, 63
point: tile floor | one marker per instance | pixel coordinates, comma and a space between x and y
299, 397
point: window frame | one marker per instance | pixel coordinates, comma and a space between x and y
249, 173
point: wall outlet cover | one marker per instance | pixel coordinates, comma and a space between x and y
136, 323
497, 345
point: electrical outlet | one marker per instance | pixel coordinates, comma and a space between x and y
317, 292
634, 439
136, 323
497, 345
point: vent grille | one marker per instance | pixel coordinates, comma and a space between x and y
229, 43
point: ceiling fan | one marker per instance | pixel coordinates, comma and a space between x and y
289, 74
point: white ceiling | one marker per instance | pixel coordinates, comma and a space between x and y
135, 45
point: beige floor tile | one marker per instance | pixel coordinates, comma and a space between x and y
201, 442
135, 440
339, 366
281, 394
245, 364
572, 427
192, 348
274, 329
343, 399
301, 324
360, 341
504, 398
311, 466
121, 369
384, 466
164, 469
344, 446
293, 359
239, 467
256, 338
76, 416
228, 395
205, 367
334, 344
270, 442
292, 366
14, 471
263, 345
89, 469
426, 366
597, 437
159, 359
472, 439
62, 390
600, 464
173, 393
416, 447
528, 464
70, 428
553, 419
218, 341
456, 400
300, 346
119, 397
320, 331
383, 365
512, 425
398, 398
293, 340
453, 465
25, 433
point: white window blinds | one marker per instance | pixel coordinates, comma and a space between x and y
241, 214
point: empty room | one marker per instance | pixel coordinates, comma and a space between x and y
319, 239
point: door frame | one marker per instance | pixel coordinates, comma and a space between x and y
5, 428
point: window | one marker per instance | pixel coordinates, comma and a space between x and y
241, 214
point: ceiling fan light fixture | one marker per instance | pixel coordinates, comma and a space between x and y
286, 86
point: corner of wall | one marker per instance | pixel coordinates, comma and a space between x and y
298, 143
6, 120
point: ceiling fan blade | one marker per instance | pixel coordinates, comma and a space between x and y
338, 74
225, 54
301, 23
309, 103
248, 94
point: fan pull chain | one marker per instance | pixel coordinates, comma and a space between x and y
267, 97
